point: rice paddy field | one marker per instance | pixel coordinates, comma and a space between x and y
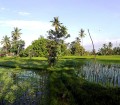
74, 80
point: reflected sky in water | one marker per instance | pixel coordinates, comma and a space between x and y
23, 87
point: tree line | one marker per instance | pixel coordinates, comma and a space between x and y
54, 45
108, 49
13, 46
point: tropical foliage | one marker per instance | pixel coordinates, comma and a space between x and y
6, 44
108, 49
55, 37
53, 46
14, 46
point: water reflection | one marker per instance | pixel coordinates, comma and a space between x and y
105, 74
23, 87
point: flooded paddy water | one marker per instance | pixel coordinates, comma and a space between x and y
31, 87
23, 87
104, 74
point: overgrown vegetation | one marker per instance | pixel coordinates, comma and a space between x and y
68, 89
63, 62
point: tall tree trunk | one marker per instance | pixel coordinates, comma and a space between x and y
82, 46
93, 47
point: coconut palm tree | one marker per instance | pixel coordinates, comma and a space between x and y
15, 39
78, 39
16, 33
105, 47
6, 43
20, 46
55, 37
56, 23
82, 35
110, 47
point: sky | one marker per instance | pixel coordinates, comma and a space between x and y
101, 17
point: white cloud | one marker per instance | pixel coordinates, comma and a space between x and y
99, 43
2, 8
29, 25
31, 30
23, 13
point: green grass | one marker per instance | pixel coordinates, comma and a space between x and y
68, 89
25, 63
114, 57
107, 57
64, 63
102, 59
39, 63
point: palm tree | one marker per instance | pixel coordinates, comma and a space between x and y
15, 39
56, 23
110, 47
78, 39
82, 35
16, 33
20, 46
55, 36
105, 47
6, 43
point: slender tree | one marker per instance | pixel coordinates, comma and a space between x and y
93, 46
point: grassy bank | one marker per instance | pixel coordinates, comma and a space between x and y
68, 89
40, 63
102, 59
64, 63
107, 57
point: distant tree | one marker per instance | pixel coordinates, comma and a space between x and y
78, 39
20, 46
16, 34
25, 52
110, 48
17, 43
82, 35
76, 48
104, 45
116, 50
106, 49
39, 47
56, 23
72, 47
110, 45
6, 43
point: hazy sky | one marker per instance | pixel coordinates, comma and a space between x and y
101, 17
